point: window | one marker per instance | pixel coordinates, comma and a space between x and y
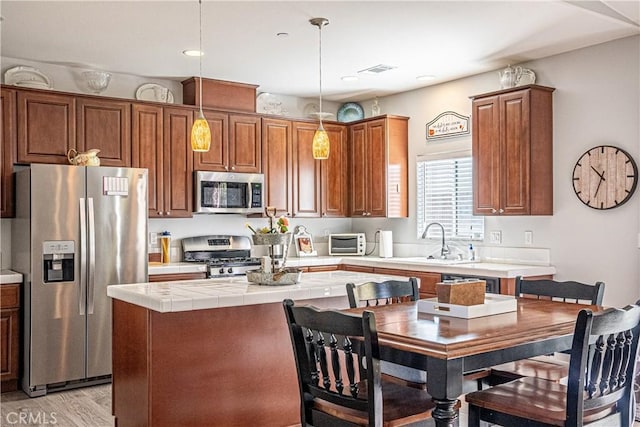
445, 195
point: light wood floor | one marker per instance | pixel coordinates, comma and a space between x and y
82, 407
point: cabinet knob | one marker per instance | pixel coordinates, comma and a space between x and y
160, 213
226, 168
168, 213
233, 168
364, 214
493, 210
501, 210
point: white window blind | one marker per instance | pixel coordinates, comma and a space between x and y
444, 192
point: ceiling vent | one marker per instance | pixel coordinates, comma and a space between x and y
377, 69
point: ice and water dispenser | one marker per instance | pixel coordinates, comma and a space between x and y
58, 259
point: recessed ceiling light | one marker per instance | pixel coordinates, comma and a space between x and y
426, 78
193, 52
349, 78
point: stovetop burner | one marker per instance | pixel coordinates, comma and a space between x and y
225, 255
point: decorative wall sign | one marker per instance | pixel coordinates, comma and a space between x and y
446, 125
304, 242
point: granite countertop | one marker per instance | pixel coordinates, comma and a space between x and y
10, 276
480, 268
187, 295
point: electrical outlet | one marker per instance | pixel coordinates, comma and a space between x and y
153, 239
528, 237
495, 237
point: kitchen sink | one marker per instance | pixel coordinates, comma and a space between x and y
433, 261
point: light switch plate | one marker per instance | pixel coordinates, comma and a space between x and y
153, 239
495, 237
528, 237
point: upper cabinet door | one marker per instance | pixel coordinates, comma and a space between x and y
334, 174
105, 125
46, 127
377, 168
277, 164
515, 152
178, 162
358, 170
486, 155
217, 158
306, 172
147, 152
8, 144
245, 143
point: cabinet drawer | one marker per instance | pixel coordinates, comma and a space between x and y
9, 295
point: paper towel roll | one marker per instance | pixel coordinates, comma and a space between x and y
386, 244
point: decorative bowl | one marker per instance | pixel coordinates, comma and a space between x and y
97, 81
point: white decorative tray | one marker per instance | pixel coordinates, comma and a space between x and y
493, 304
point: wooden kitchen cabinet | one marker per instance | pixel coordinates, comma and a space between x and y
427, 280
177, 276
106, 126
8, 144
379, 167
319, 186
512, 146
277, 164
9, 336
161, 143
236, 143
297, 184
46, 126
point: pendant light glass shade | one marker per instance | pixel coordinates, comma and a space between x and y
321, 145
200, 132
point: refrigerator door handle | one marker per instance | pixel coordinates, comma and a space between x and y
92, 255
83, 257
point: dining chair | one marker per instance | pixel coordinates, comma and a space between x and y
551, 367
600, 383
389, 292
338, 364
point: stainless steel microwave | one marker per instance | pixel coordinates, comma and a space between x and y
347, 244
228, 192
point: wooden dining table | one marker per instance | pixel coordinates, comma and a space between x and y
448, 347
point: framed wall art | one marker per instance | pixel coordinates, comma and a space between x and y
304, 242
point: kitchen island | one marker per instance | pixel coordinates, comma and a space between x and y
212, 352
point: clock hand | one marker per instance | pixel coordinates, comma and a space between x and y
598, 187
601, 175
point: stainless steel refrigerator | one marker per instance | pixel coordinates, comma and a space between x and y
77, 230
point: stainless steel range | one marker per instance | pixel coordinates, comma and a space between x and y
225, 255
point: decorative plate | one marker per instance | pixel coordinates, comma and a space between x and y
267, 103
26, 76
154, 92
350, 111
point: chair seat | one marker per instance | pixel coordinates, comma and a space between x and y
402, 405
529, 398
548, 369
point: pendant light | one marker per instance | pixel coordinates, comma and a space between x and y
200, 132
320, 138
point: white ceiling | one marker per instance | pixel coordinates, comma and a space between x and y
446, 39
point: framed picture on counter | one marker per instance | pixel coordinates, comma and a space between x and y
304, 242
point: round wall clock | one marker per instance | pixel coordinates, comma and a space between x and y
605, 177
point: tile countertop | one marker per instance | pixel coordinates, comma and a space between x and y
187, 295
487, 269
9, 276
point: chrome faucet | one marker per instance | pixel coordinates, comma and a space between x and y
444, 251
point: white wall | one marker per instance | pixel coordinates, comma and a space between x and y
596, 101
